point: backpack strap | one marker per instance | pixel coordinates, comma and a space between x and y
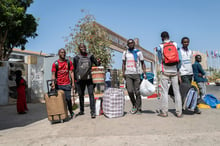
68, 63
57, 67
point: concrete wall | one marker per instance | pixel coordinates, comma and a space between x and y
4, 83
48, 61
36, 78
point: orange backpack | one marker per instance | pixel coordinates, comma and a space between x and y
170, 54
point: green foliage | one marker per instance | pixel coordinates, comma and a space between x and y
216, 75
15, 26
87, 31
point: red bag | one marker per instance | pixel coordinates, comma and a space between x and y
170, 54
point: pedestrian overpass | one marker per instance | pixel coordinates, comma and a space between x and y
119, 43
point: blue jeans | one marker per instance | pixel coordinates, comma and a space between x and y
67, 91
108, 84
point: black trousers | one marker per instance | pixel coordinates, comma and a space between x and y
81, 85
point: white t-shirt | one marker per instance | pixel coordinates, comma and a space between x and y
186, 64
131, 66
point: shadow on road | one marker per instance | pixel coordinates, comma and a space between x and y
10, 119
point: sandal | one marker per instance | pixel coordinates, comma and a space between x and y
163, 115
179, 115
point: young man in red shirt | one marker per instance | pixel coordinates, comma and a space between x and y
61, 75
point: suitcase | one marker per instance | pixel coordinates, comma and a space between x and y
113, 103
56, 105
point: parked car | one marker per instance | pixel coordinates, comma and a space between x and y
217, 82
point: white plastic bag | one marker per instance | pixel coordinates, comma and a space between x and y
97, 107
146, 88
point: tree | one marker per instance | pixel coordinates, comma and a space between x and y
90, 33
15, 26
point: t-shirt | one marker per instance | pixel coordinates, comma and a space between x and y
108, 76
186, 62
132, 67
63, 72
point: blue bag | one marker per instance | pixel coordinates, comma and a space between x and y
211, 100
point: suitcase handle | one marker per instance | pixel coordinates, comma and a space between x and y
51, 92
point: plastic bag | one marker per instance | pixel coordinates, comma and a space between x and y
146, 88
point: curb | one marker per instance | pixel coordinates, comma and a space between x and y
86, 99
212, 83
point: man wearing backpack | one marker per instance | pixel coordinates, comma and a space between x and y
61, 69
169, 58
132, 68
83, 66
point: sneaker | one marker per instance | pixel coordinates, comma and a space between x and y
80, 113
72, 115
179, 115
93, 116
162, 114
138, 112
133, 110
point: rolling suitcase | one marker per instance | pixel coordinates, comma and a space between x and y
56, 105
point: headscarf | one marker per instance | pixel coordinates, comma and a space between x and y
134, 52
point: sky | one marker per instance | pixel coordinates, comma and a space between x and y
143, 19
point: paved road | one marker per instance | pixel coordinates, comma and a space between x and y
145, 129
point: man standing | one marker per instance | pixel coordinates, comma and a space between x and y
83, 66
108, 79
169, 57
199, 76
60, 72
132, 67
186, 70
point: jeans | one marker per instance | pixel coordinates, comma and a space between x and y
133, 88
164, 93
67, 91
81, 91
202, 89
108, 84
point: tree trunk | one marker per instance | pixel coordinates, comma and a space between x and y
3, 37
7, 54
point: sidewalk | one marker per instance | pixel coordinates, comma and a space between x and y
33, 128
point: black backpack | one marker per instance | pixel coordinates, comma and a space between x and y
83, 69
189, 97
